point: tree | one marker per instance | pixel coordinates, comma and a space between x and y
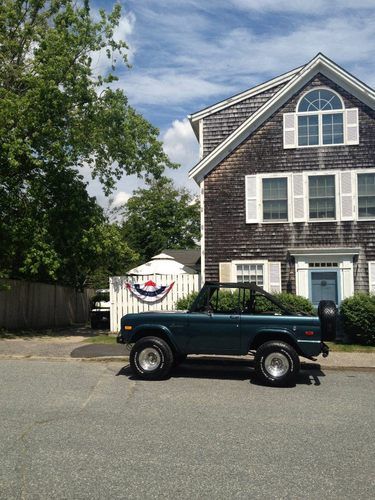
161, 216
56, 116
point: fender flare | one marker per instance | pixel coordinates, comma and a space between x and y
282, 334
152, 328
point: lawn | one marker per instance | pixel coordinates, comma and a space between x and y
101, 339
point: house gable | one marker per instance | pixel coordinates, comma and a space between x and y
319, 65
262, 153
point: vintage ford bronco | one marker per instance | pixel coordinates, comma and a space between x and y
251, 321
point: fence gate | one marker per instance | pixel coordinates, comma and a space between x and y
123, 301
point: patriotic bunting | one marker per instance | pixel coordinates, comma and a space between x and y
149, 291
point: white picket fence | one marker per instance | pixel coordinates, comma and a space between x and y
124, 302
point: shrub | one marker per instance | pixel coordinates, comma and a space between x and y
228, 301
186, 302
295, 303
358, 318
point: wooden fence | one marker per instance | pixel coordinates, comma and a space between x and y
124, 302
28, 305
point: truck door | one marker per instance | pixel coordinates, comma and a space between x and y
214, 327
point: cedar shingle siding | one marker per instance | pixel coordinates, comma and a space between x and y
228, 237
220, 125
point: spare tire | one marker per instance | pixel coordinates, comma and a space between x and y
327, 312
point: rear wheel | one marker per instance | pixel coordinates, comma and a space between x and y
151, 358
277, 363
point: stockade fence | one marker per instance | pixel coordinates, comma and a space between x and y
29, 305
123, 301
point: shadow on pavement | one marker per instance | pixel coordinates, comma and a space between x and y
224, 369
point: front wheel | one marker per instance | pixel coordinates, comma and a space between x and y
151, 358
277, 363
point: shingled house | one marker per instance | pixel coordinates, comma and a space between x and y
287, 181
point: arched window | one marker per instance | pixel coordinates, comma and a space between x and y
320, 118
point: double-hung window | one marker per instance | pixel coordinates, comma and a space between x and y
322, 197
366, 196
275, 199
247, 273
320, 119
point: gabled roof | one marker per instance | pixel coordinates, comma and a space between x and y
320, 64
269, 84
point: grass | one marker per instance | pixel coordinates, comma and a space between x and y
6, 334
338, 347
101, 339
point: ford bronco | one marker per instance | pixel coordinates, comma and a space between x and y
251, 321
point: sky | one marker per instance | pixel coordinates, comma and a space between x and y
189, 54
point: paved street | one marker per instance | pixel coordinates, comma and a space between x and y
78, 430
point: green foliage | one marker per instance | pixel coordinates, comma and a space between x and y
161, 216
56, 117
186, 302
228, 301
295, 303
358, 317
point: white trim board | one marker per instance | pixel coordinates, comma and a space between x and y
326, 252
320, 64
219, 106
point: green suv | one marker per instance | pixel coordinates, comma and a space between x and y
229, 319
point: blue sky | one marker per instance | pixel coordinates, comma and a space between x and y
189, 54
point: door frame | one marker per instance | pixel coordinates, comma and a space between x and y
326, 270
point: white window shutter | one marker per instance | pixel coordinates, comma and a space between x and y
290, 130
352, 126
274, 277
251, 194
347, 198
371, 276
225, 272
299, 209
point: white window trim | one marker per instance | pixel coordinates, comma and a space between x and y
355, 193
306, 175
335, 173
320, 87
320, 120
264, 263
279, 175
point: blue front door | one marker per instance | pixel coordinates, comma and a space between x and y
324, 285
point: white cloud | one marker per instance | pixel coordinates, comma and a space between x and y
180, 143
168, 87
303, 6
123, 32
120, 199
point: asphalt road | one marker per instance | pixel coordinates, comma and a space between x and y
86, 430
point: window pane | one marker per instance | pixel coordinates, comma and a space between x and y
322, 197
333, 129
308, 130
275, 199
366, 195
250, 272
319, 100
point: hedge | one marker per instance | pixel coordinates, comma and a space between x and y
358, 318
228, 301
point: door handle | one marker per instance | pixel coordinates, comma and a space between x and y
234, 316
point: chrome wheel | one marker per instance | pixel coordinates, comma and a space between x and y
149, 359
276, 364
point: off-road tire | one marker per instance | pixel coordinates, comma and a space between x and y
285, 361
327, 312
151, 358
